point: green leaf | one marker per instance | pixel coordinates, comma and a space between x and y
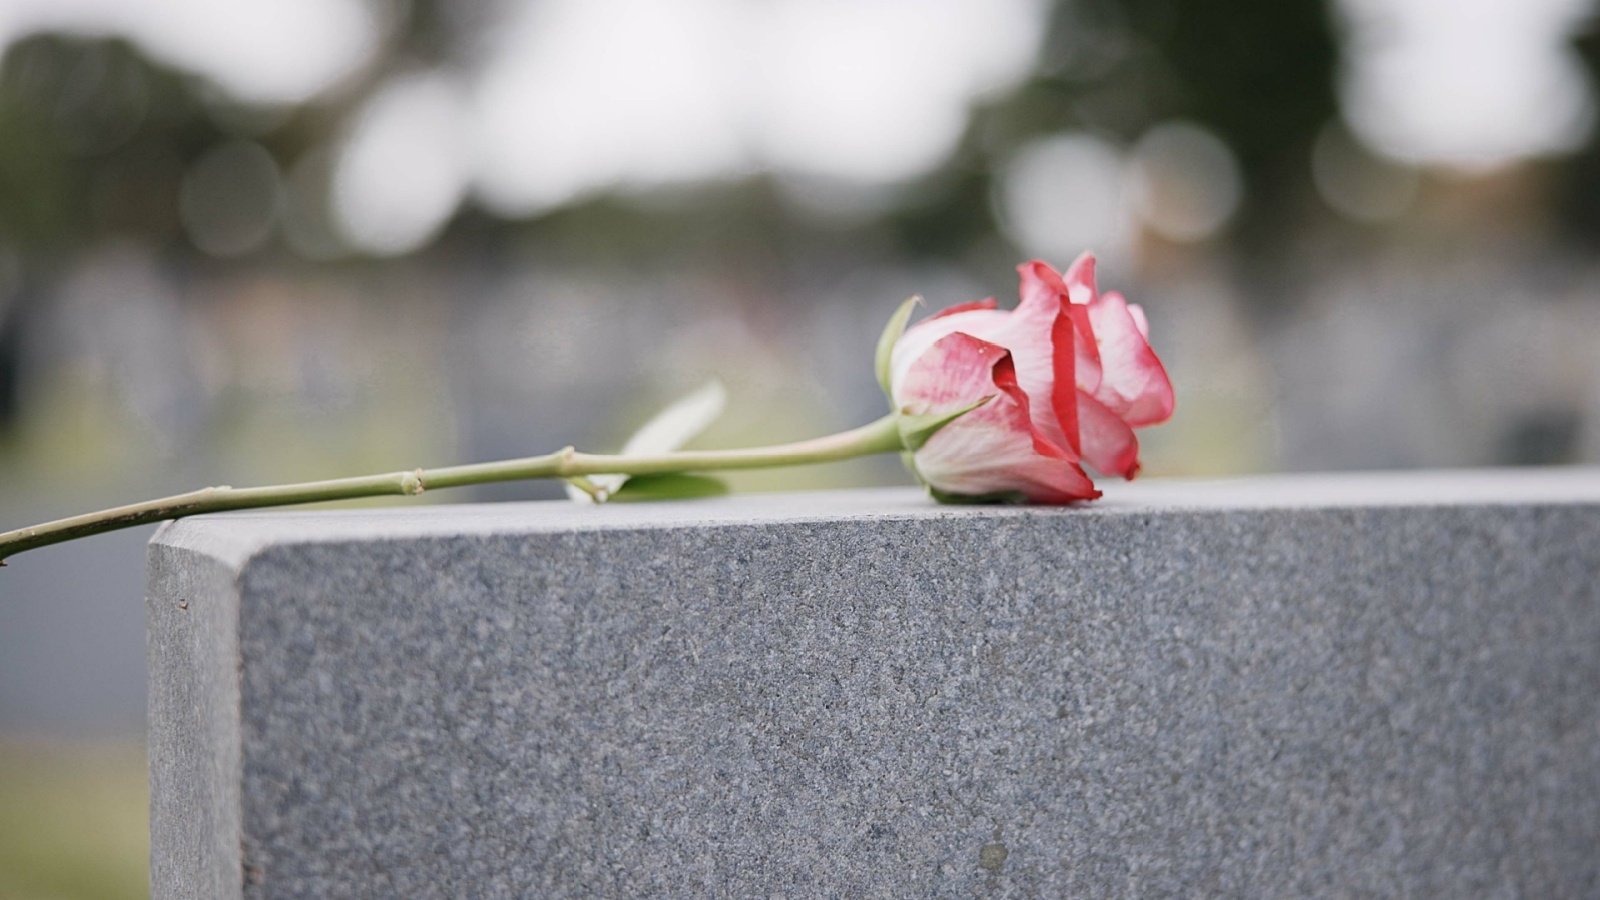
915, 430
891, 335
671, 486
667, 430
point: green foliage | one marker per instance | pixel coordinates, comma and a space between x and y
94, 139
971, 499
670, 487
73, 822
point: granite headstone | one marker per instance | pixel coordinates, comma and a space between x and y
1365, 685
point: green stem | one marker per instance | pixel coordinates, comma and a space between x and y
881, 436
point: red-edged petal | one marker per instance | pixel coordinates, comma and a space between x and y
1033, 335
1139, 319
996, 448
919, 338
1064, 386
1087, 351
1132, 383
985, 303
1044, 307
1040, 287
1108, 442
1080, 286
954, 371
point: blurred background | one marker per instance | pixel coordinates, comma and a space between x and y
266, 240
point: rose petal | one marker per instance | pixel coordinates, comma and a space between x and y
1108, 442
1086, 368
996, 448
1079, 279
1063, 387
1139, 319
923, 335
1040, 286
1031, 334
985, 303
1133, 383
954, 371
1044, 354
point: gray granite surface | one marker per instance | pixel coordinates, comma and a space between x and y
1302, 686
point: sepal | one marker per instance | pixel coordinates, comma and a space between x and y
891, 336
915, 430
1013, 497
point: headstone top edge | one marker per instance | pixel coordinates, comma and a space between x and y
235, 537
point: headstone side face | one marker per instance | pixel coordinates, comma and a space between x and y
1391, 701
193, 649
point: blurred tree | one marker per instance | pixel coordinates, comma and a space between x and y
1258, 73
94, 138
1578, 177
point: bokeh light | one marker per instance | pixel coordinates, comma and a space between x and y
1064, 193
260, 51
1471, 83
230, 198
403, 170
1186, 183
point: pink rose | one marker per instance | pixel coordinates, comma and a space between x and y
997, 404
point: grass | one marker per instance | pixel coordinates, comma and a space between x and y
73, 821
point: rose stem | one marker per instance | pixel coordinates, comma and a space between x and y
881, 436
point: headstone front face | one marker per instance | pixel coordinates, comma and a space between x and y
1358, 686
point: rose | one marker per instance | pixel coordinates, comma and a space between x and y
997, 404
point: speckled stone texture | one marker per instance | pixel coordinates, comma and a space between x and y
1356, 686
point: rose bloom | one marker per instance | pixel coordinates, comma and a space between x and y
1061, 380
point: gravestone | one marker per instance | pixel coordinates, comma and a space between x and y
1337, 685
